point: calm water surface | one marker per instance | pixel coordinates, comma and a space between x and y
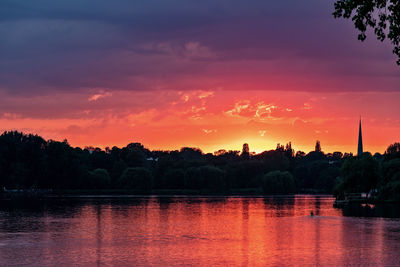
232, 231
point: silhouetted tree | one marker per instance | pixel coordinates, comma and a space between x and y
360, 174
347, 155
190, 153
117, 169
315, 155
220, 152
136, 178
317, 146
275, 160
337, 155
63, 166
205, 177
245, 151
393, 151
193, 179
226, 157
278, 182
289, 151
245, 173
23, 159
327, 178
99, 179
300, 154
173, 178
383, 16
134, 155
213, 177
390, 171
390, 191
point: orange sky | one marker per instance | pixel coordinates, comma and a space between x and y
213, 119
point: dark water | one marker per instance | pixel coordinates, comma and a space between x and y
229, 231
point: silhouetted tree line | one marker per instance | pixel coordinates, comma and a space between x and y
377, 175
28, 161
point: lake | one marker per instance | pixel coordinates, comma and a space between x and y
197, 231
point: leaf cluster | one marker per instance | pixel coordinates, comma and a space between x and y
383, 16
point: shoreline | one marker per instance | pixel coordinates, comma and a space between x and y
174, 193
121, 193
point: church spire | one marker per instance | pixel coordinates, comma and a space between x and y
360, 144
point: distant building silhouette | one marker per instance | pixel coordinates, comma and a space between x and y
360, 144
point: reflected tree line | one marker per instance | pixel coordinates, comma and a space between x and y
28, 161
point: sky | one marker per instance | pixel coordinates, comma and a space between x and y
212, 74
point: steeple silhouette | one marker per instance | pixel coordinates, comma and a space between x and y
360, 144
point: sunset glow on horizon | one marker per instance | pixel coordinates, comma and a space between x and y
213, 120
212, 75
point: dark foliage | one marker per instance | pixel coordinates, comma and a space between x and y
28, 161
376, 175
393, 151
136, 178
360, 174
278, 182
383, 16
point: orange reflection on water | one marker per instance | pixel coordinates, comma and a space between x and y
200, 232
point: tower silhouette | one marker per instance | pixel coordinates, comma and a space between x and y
360, 144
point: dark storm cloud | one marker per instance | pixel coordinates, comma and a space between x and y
51, 45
